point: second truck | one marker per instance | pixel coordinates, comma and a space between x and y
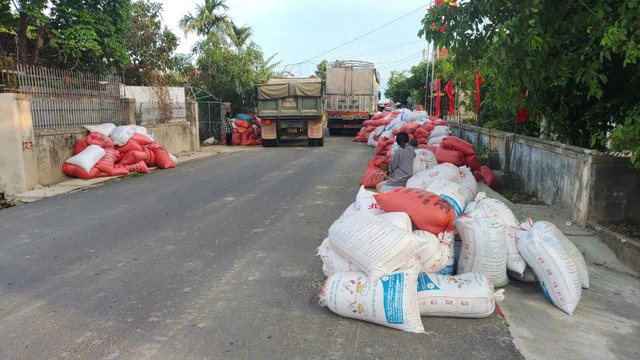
351, 94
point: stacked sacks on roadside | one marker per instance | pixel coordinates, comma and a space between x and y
111, 150
246, 130
382, 256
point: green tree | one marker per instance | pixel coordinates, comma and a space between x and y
577, 59
238, 36
28, 22
149, 44
321, 70
209, 19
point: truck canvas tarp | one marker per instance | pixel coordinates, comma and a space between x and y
290, 108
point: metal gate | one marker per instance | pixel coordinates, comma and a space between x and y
210, 119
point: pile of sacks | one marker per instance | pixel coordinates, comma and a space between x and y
111, 150
392, 257
246, 130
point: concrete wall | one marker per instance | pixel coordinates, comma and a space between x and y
558, 173
52, 148
615, 193
18, 167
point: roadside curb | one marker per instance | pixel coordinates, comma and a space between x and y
626, 249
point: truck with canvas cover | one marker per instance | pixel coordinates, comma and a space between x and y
351, 94
290, 108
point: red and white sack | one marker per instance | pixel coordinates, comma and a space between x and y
332, 262
373, 244
556, 271
389, 301
422, 179
548, 229
87, 158
424, 160
435, 140
468, 183
469, 295
528, 276
452, 192
365, 202
484, 248
349, 210
437, 255
497, 210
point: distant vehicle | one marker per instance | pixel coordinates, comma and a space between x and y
351, 94
290, 108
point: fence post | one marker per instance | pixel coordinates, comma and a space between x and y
129, 106
18, 160
192, 118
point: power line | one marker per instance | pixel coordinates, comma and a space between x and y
363, 35
378, 50
397, 62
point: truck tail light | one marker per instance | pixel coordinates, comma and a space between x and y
267, 122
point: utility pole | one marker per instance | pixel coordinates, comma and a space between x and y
426, 65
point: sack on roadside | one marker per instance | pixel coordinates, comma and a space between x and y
332, 262
105, 129
139, 167
78, 172
469, 295
390, 301
121, 134
163, 158
365, 202
96, 138
88, 158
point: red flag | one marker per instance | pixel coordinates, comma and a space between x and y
479, 81
438, 95
522, 116
449, 89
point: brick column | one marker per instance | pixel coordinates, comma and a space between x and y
192, 118
129, 111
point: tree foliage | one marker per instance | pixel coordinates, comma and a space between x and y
578, 60
210, 19
238, 36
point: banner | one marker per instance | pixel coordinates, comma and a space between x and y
479, 81
449, 89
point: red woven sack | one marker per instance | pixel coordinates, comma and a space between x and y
381, 146
489, 178
429, 126
153, 147
236, 139
372, 177
131, 145
133, 157
100, 139
431, 148
473, 162
477, 175
142, 139
78, 172
449, 156
455, 143
151, 162
119, 170
428, 211
139, 167
409, 128
421, 133
107, 163
163, 160
80, 145
242, 124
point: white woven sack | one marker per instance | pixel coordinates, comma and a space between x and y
422, 179
121, 134
374, 245
379, 130
528, 276
555, 270
424, 160
484, 248
468, 183
390, 301
333, 262
546, 228
451, 192
440, 131
140, 129
371, 141
447, 242
436, 255
468, 295
104, 129
399, 219
394, 147
497, 210
365, 202
435, 140
87, 158
349, 210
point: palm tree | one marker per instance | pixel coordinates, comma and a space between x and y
209, 19
238, 36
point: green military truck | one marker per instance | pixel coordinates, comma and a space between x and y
290, 108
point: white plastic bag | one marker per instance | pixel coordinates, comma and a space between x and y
548, 229
484, 248
497, 210
555, 270
451, 192
140, 129
437, 255
374, 245
365, 202
468, 295
104, 129
468, 183
390, 301
370, 141
121, 134
332, 262
424, 160
87, 158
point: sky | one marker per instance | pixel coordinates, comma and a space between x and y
301, 33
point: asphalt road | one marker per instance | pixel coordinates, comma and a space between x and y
214, 259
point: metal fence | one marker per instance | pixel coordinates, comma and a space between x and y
61, 98
210, 119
